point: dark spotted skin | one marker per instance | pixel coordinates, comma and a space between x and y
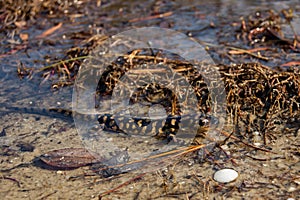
167, 128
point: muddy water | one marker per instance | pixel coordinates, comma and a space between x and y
207, 21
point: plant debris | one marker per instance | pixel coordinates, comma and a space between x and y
68, 158
267, 26
258, 98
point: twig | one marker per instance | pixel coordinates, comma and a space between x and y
167, 14
12, 179
290, 64
14, 50
248, 50
242, 51
172, 154
120, 186
49, 31
62, 62
245, 143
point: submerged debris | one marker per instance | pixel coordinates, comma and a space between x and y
265, 26
66, 69
68, 158
259, 99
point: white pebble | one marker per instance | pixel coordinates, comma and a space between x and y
225, 175
291, 189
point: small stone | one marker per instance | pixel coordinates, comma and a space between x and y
26, 147
3, 133
225, 175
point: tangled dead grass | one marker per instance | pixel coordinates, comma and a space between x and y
260, 98
13, 12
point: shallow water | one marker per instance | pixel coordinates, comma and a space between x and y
193, 18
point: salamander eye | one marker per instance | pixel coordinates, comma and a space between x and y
104, 118
100, 120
